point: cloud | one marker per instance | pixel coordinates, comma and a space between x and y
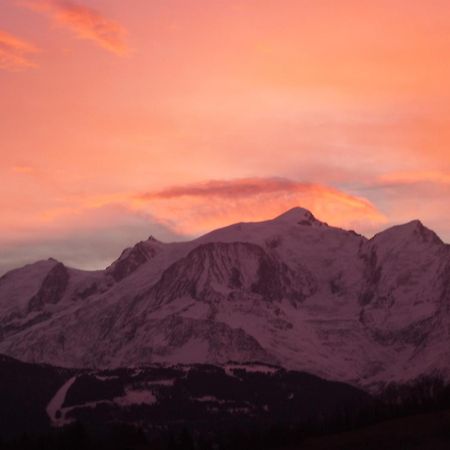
15, 53
89, 231
87, 23
197, 208
89, 239
246, 187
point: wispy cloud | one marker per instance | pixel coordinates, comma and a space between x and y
228, 188
196, 208
87, 23
89, 238
90, 230
15, 53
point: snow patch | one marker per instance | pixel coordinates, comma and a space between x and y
55, 411
253, 368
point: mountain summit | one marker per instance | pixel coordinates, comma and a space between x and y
296, 215
291, 291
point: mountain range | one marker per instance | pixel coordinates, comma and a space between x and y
292, 292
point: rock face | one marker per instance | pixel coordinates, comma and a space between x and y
217, 271
291, 291
131, 259
52, 288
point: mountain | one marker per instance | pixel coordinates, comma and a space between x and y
291, 291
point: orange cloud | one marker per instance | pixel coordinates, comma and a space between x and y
87, 23
15, 52
198, 208
195, 209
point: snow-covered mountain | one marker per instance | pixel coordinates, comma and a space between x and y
291, 291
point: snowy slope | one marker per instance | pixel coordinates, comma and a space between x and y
291, 291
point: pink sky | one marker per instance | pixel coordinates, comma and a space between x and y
124, 119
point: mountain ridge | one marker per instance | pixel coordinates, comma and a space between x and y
292, 291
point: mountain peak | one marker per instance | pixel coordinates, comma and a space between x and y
423, 233
412, 231
133, 258
298, 215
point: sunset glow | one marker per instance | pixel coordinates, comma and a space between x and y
123, 119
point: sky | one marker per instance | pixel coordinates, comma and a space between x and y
120, 120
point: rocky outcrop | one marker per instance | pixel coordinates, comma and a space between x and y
218, 271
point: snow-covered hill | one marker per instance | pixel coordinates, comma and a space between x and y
155, 398
291, 291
